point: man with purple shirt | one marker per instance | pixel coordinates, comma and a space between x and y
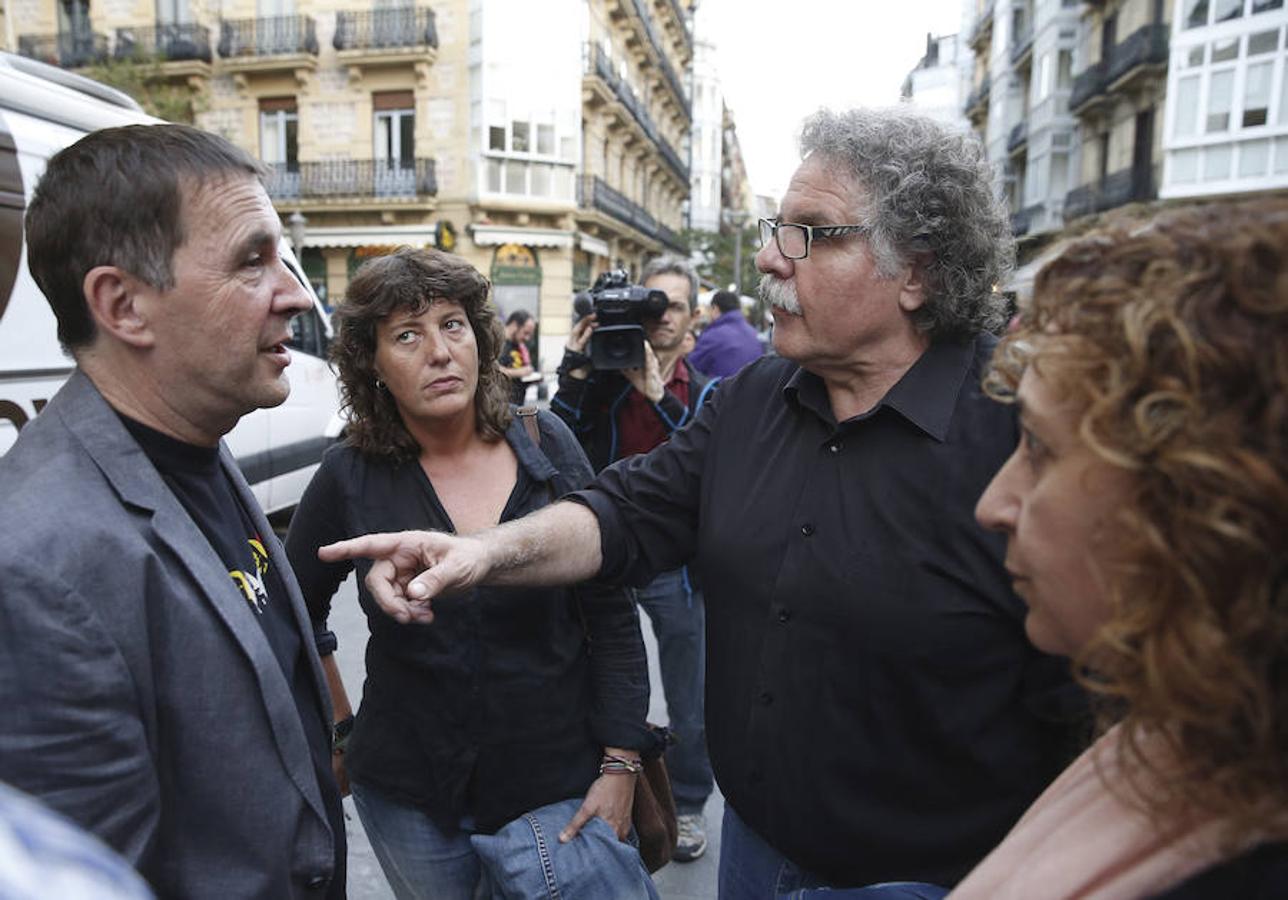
728, 343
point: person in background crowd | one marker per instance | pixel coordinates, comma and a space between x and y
1146, 515
619, 414
160, 681
500, 708
728, 342
874, 711
516, 357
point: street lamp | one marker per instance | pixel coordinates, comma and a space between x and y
297, 223
736, 218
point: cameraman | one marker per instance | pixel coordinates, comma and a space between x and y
616, 414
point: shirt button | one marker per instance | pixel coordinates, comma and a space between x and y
807, 529
315, 882
766, 698
784, 615
835, 446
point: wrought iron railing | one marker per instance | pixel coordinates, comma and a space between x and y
1018, 137
268, 36
170, 41
1080, 201
1145, 46
595, 62
594, 193
1020, 222
385, 29
70, 49
668, 71
1021, 43
339, 178
684, 23
1125, 186
983, 24
979, 95
1089, 83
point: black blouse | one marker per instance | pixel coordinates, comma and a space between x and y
499, 706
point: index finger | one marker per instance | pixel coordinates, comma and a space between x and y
368, 546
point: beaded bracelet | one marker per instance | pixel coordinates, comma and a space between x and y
619, 765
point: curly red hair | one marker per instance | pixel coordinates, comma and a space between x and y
1171, 338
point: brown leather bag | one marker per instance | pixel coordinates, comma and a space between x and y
653, 808
653, 812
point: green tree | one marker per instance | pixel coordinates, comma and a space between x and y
143, 78
716, 251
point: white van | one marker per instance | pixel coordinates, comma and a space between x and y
42, 110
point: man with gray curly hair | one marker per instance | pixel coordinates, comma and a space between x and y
874, 711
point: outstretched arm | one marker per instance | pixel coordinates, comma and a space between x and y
556, 545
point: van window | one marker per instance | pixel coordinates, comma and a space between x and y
11, 204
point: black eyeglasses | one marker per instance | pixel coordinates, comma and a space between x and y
794, 240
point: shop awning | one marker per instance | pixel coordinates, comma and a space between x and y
496, 235
369, 235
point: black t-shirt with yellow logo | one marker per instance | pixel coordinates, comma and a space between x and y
195, 476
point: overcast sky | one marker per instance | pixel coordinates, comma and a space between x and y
780, 60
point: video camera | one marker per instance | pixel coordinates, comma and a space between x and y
620, 309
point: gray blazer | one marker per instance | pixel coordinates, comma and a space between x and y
140, 696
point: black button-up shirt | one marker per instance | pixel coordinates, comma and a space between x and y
873, 708
506, 702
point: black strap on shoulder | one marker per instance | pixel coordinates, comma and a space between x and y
528, 415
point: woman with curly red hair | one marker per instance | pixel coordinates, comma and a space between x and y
1146, 512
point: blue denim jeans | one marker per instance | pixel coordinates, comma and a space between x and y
420, 860
750, 869
679, 623
523, 860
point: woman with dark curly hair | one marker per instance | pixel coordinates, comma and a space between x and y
497, 708
1146, 512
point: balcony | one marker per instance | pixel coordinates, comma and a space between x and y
174, 42
351, 179
1021, 45
683, 21
983, 28
269, 43
977, 101
1089, 85
668, 71
1145, 47
596, 66
1018, 139
594, 193
388, 36
69, 50
1125, 186
1020, 223
1116, 189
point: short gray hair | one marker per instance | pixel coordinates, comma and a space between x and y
670, 264
929, 191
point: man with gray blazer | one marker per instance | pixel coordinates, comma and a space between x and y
158, 672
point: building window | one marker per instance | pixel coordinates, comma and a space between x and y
1254, 158
496, 137
1256, 94
1220, 96
545, 139
1185, 166
1196, 13
1194, 58
173, 12
1228, 9
1263, 42
395, 129
1224, 51
1186, 122
1064, 71
519, 137
1259, 6
279, 128
1216, 162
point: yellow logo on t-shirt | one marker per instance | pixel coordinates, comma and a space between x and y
251, 584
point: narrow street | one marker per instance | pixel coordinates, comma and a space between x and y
687, 881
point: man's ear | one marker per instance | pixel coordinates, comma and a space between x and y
113, 296
912, 289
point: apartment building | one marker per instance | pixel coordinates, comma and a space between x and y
707, 139
1018, 104
938, 85
545, 142
1118, 92
1226, 122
